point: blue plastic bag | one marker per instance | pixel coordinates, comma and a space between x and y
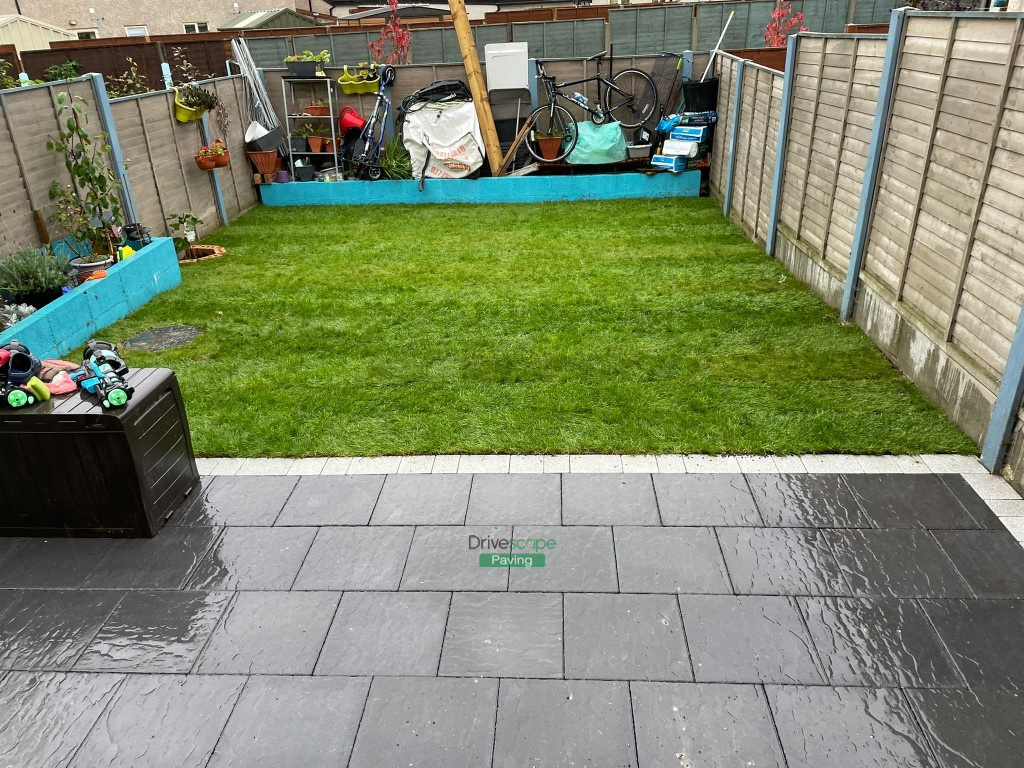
598, 144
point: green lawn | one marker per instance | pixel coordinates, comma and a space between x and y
620, 327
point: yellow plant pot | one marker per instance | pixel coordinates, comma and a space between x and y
185, 114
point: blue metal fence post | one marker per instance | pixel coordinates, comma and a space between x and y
785, 108
737, 105
874, 163
1008, 398
165, 71
222, 211
99, 88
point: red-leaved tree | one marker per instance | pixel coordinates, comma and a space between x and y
392, 47
782, 24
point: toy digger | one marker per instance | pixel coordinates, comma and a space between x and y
102, 374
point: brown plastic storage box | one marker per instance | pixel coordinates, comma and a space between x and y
70, 467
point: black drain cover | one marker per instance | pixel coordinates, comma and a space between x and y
168, 337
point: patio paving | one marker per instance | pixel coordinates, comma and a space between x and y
718, 619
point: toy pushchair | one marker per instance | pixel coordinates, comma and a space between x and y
366, 161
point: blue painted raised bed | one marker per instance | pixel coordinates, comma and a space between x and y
67, 323
509, 189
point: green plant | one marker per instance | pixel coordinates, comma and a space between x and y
213, 150
301, 131
94, 183
194, 97
6, 81
320, 130
320, 58
36, 270
14, 313
395, 162
129, 83
187, 71
186, 224
66, 71
70, 219
319, 103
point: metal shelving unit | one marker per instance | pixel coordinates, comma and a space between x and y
292, 119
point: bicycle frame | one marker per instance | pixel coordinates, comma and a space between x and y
554, 88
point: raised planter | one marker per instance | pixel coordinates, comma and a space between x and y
65, 324
512, 189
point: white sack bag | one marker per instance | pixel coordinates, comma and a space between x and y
443, 140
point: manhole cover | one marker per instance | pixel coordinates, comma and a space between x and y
168, 337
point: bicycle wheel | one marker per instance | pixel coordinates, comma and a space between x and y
551, 121
633, 99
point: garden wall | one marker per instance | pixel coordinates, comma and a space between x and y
899, 197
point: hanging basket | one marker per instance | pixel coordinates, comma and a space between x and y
206, 162
185, 114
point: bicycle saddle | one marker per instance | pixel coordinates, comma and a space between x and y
597, 56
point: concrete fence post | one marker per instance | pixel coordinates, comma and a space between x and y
218, 194
165, 71
737, 108
687, 65
785, 108
1008, 399
109, 127
872, 170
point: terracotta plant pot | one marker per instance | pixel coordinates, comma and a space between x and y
316, 143
265, 162
328, 145
222, 161
549, 146
206, 162
317, 111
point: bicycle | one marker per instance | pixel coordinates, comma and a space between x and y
629, 97
371, 139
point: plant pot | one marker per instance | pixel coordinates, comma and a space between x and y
316, 143
265, 162
38, 299
222, 161
328, 145
299, 144
304, 173
206, 162
282, 177
301, 68
183, 113
83, 268
316, 111
549, 146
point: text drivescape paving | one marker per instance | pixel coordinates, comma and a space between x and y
774, 618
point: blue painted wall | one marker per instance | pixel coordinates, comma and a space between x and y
70, 321
515, 189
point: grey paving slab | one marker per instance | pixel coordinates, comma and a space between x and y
991, 562
386, 633
240, 500
625, 637
31, 563
423, 500
847, 728
154, 632
673, 560
816, 501
781, 561
974, 728
161, 720
705, 499
48, 629
270, 633
527, 499
424, 721
332, 500
503, 634
878, 642
564, 723
355, 558
254, 558
909, 501
163, 562
981, 635
47, 715
686, 724
583, 560
969, 498
292, 722
608, 499
896, 563
440, 559
748, 639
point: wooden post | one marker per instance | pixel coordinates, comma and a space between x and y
477, 86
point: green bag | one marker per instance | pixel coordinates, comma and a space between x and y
598, 144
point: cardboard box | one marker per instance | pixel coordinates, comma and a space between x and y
668, 162
689, 133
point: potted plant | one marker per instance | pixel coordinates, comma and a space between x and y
315, 135
224, 156
207, 158
307, 63
395, 162
191, 102
317, 108
70, 218
549, 143
33, 276
298, 138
